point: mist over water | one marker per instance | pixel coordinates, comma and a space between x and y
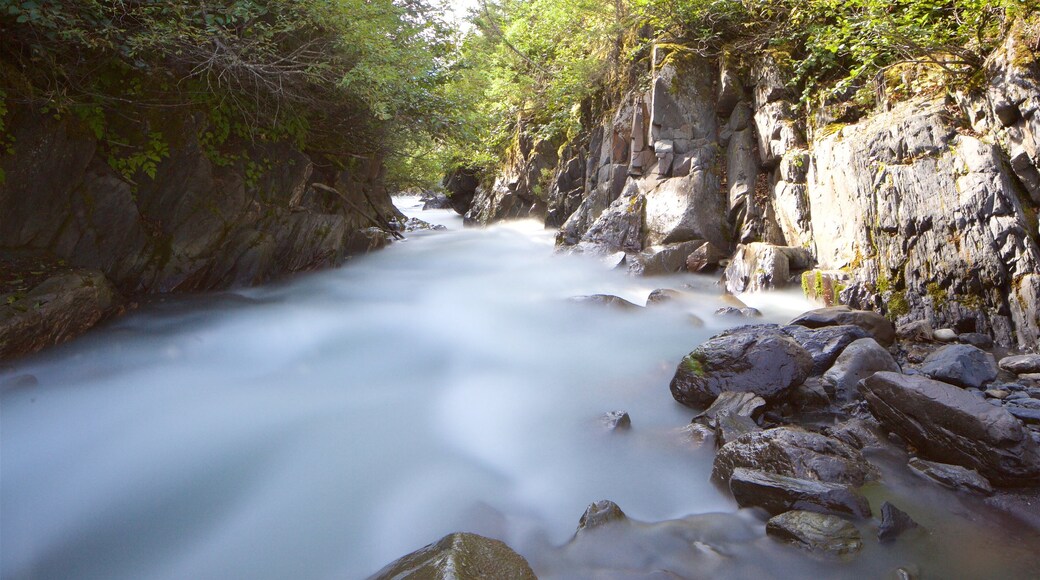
323, 427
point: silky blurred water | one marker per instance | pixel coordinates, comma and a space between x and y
323, 427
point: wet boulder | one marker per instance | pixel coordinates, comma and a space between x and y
794, 452
878, 326
754, 359
952, 476
948, 424
963, 365
816, 532
826, 343
894, 522
859, 433
858, 361
743, 404
777, 494
459, 556
730, 426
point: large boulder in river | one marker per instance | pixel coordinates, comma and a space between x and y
963, 365
878, 326
754, 359
950, 425
459, 556
794, 452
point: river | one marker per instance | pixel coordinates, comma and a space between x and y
324, 426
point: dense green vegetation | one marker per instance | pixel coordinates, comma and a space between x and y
394, 79
541, 63
344, 78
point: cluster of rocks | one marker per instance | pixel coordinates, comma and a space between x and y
792, 407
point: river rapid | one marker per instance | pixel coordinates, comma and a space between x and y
325, 426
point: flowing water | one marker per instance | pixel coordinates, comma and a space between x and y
323, 427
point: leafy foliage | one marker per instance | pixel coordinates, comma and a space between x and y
345, 77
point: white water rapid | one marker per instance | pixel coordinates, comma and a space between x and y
323, 427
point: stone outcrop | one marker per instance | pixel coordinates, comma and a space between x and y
947, 424
59, 308
196, 224
794, 452
777, 494
520, 190
815, 532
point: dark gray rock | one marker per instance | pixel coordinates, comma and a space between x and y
858, 361
779, 493
876, 325
1030, 415
730, 426
435, 200
816, 532
461, 186
61, 307
963, 365
976, 339
621, 226
755, 359
600, 513
743, 404
894, 522
858, 433
616, 421
796, 453
734, 312
948, 424
916, 331
459, 556
826, 343
952, 476
1021, 364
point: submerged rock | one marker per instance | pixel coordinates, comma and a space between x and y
816, 532
616, 421
794, 452
599, 513
878, 326
948, 424
894, 522
755, 359
963, 365
779, 493
858, 361
606, 300
459, 556
952, 476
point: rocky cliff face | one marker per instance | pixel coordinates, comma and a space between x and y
926, 210
196, 225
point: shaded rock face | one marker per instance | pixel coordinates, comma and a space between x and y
931, 218
600, 513
195, 226
952, 476
816, 532
950, 425
753, 359
519, 191
461, 186
793, 452
894, 522
60, 308
459, 556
